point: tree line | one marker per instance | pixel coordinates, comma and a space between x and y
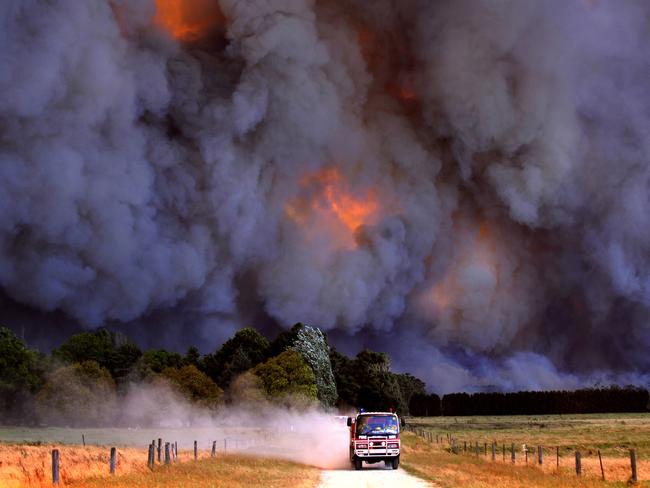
591, 400
83, 379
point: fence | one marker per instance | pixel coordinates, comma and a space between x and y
158, 453
454, 447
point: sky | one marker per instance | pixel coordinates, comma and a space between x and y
461, 184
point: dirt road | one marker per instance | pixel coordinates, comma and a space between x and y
374, 476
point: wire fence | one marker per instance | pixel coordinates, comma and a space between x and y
516, 453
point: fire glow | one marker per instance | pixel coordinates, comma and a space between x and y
328, 192
188, 19
480, 254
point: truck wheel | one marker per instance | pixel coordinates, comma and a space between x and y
395, 463
357, 464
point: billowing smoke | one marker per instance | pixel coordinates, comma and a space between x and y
463, 184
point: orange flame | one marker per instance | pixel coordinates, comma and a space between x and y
352, 211
326, 197
188, 19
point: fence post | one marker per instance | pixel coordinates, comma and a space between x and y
150, 459
526, 452
225, 446
578, 463
477, 449
485, 448
504, 453
465, 446
557, 456
55, 466
602, 471
214, 449
539, 455
111, 467
83, 439
159, 449
512, 454
494, 451
633, 464
195, 451
167, 457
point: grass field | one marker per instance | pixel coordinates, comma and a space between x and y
25, 466
25, 454
231, 471
613, 435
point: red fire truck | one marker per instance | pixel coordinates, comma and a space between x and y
374, 437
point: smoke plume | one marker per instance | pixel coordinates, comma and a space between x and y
463, 184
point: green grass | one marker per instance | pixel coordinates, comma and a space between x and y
612, 434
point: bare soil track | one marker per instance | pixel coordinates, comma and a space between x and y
372, 476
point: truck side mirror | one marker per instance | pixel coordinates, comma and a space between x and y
402, 422
349, 421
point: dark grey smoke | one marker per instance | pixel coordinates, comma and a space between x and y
500, 150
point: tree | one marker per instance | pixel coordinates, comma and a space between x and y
311, 344
247, 389
243, 351
82, 394
21, 374
154, 362
111, 350
409, 385
367, 382
345, 377
192, 356
195, 385
286, 378
423, 405
284, 340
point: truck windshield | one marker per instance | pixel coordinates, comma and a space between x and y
377, 425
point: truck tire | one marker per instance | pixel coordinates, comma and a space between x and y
395, 462
357, 463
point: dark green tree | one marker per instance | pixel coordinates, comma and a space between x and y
246, 349
111, 350
346, 378
367, 382
192, 356
409, 385
155, 361
21, 375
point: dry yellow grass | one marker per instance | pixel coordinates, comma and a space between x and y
435, 463
31, 466
231, 471
25, 466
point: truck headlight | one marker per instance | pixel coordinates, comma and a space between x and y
393, 445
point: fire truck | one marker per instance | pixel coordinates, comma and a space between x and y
374, 437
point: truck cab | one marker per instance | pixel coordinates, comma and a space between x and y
374, 437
